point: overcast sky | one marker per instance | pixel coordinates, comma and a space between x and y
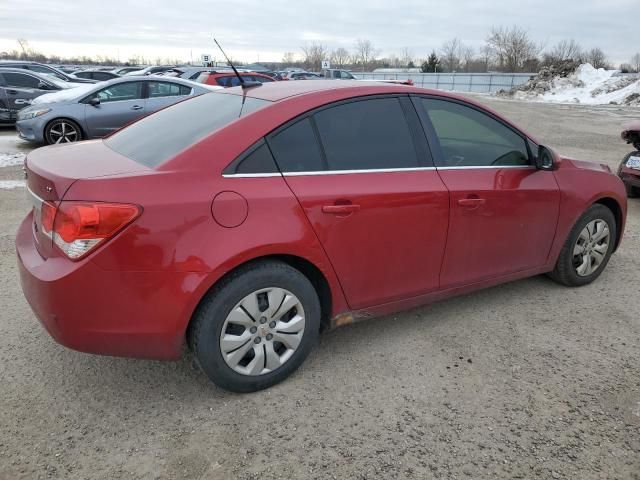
263, 30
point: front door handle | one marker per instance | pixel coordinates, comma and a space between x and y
346, 209
12, 92
471, 202
136, 107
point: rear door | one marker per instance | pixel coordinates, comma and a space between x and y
504, 211
366, 182
120, 103
163, 93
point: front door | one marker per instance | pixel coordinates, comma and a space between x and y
369, 189
504, 211
120, 104
19, 90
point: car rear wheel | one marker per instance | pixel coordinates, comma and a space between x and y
586, 252
62, 130
256, 327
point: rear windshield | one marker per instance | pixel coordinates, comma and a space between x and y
161, 136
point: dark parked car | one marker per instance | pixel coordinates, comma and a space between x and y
93, 111
99, 75
241, 221
19, 87
45, 70
629, 169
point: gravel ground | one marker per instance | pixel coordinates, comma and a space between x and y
524, 380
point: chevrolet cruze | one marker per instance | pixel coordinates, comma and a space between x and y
242, 222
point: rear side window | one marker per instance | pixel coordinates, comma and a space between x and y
257, 159
20, 80
366, 135
159, 137
167, 89
296, 148
469, 138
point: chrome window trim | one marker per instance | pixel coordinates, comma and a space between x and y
376, 170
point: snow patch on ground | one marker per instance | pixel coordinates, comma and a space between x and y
587, 85
11, 184
11, 159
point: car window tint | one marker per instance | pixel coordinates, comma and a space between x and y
230, 81
159, 137
167, 89
46, 71
257, 159
296, 148
364, 135
120, 92
102, 76
470, 138
20, 80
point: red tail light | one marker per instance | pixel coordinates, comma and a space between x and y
79, 227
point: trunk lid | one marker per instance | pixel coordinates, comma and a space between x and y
52, 170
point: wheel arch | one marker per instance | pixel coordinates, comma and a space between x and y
615, 207
313, 273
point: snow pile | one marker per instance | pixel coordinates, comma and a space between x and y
65, 95
587, 85
11, 184
11, 159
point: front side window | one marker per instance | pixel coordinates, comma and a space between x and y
21, 80
470, 138
167, 89
46, 71
366, 135
120, 92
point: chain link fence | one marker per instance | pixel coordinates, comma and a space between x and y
455, 82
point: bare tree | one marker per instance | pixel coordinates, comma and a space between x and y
288, 58
596, 57
635, 62
406, 57
486, 54
513, 47
314, 54
365, 53
563, 51
450, 55
466, 55
339, 57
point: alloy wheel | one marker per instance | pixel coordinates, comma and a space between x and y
262, 332
63, 132
591, 247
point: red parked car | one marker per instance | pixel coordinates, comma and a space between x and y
229, 79
629, 169
240, 222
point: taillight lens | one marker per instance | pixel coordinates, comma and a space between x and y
79, 227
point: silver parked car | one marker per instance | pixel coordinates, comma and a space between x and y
94, 111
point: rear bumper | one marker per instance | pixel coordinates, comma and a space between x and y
120, 313
630, 176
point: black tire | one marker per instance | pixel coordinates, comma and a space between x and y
565, 271
208, 321
56, 125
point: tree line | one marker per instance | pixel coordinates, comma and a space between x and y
506, 49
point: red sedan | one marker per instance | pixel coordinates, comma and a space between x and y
241, 222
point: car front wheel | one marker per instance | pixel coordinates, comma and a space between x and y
62, 130
586, 252
256, 327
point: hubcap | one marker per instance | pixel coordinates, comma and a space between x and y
63, 132
591, 247
262, 331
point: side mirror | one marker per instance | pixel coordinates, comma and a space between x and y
94, 102
43, 86
546, 159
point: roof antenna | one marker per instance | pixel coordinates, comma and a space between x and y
243, 83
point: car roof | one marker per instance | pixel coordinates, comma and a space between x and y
22, 70
274, 91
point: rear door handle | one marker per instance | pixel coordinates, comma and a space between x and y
12, 92
136, 107
340, 209
471, 202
